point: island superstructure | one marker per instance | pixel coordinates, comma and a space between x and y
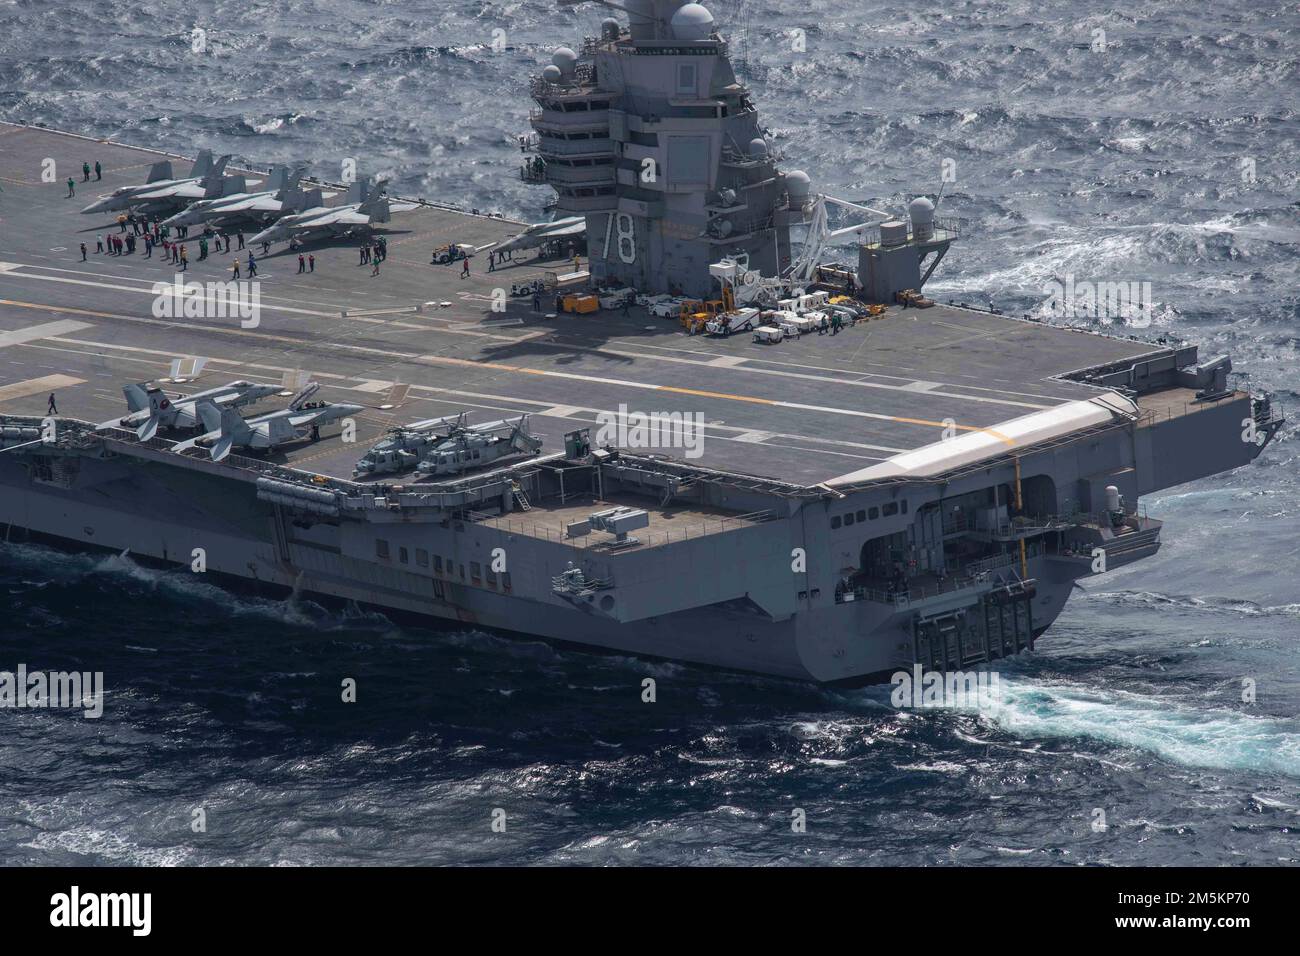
923, 487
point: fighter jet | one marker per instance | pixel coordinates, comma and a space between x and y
406, 445
540, 232
366, 206
168, 199
151, 409
227, 429
477, 445
281, 196
160, 185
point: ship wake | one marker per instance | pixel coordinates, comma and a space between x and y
1217, 738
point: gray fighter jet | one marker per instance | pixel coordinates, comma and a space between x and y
366, 207
282, 196
151, 409
206, 180
227, 429
540, 232
167, 200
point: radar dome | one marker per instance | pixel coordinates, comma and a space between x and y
552, 74
565, 59
609, 28
758, 147
921, 211
798, 186
692, 23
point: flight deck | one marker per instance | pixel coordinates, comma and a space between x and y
802, 411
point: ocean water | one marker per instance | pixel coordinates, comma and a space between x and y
1170, 158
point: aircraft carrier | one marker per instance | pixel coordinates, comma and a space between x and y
923, 486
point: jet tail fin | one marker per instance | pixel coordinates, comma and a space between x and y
214, 182
295, 200
226, 422
360, 190
137, 399
160, 171
376, 204
379, 211
233, 185
202, 164
284, 180
210, 415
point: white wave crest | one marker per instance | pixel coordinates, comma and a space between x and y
1219, 738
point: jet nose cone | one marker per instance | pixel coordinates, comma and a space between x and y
95, 206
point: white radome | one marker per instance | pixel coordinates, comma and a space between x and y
692, 23
565, 59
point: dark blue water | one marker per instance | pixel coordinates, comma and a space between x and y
1115, 166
